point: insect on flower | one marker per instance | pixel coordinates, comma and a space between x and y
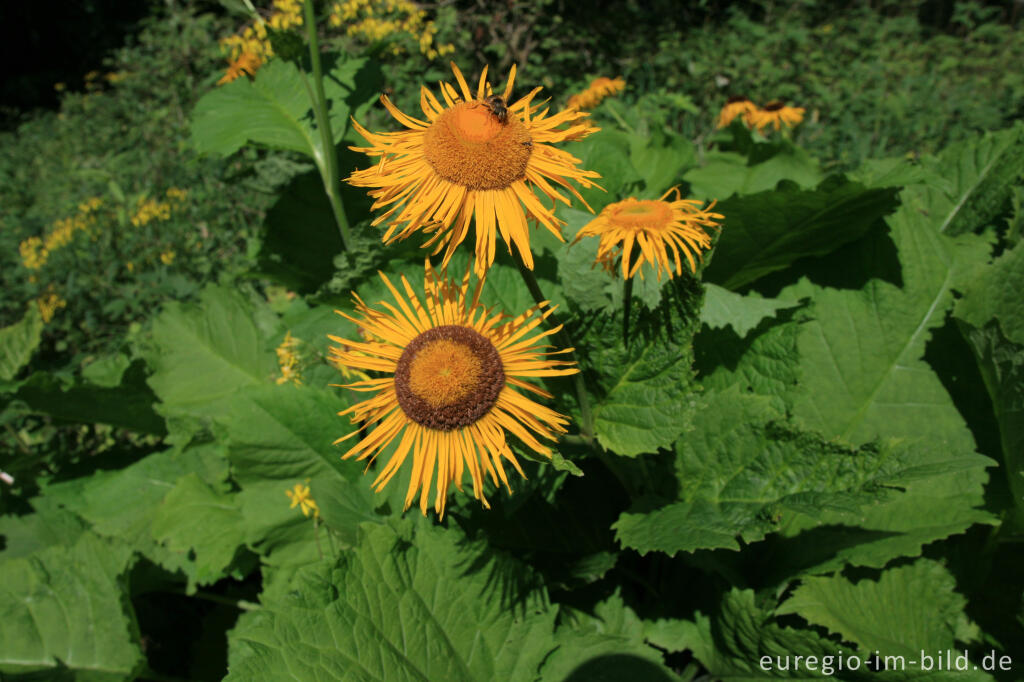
498, 107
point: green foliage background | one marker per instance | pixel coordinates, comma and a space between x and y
815, 445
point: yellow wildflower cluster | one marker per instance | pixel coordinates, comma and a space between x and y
598, 89
288, 360
49, 303
167, 257
35, 251
148, 210
176, 195
301, 498
250, 49
376, 20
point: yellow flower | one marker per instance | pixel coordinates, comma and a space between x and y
148, 210
735, 106
48, 304
598, 89
33, 254
176, 194
472, 160
167, 257
775, 114
449, 395
661, 229
300, 497
288, 360
246, 63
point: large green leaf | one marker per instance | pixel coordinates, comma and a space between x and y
280, 436
196, 519
768, 231
743, 474
606, 152
862, 354
765, 362
742, 640
991, 318
124, 503
974, 179
725, 308
18, 342
62, 608
203, 355
726, 173
648, 381
995, 293
128, 405
423, 604
886, 615
273, 109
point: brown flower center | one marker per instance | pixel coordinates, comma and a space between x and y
774, 105
448, 377
470, 146
637, 215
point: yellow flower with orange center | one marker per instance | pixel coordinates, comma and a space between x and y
450, 394
659, 230
775, 114
735, 106
598, 89
474, 157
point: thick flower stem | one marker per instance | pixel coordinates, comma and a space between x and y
627, 301
328, 164
627, 305
587, 430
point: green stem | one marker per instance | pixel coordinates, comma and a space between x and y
328, 165
563, 338
627, 305
611, 109
240, 604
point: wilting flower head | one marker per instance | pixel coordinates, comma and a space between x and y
657, 229
475, 156
775, 114
598, 89
454, 371
735, 106
246, 63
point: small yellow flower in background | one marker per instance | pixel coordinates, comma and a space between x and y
176, 195
90, 205
598, 89
130, 266
167, 257
300, 497
33, 254
658, 229
288, 360
453, 369
60, 87
473, 160
377, 20
49, 303
775, 114
735, 106
115, 76
36, 251
148, 210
